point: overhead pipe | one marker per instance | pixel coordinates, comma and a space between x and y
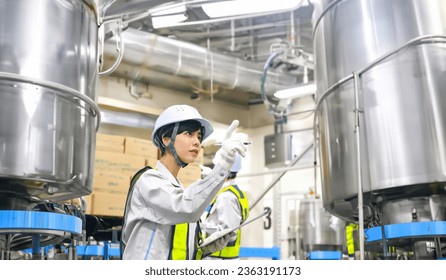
145, 51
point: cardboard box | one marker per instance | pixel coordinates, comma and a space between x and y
151, 162
111, 182
108, 204
110, 143
118, 163
109, 138
140, 147
110, 148
192, 172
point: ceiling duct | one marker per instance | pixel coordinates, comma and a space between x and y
146, 51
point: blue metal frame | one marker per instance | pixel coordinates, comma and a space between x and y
407, 230
33, 220
90, 250
105, 251
109, 250
260, 252
324, 255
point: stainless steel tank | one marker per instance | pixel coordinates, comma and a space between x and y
48, 86
318, 229
402, 102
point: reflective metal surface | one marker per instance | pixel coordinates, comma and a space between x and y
318, 229
47, 136
146, 54
402, 102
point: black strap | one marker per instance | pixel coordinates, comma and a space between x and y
127, 203
172, 149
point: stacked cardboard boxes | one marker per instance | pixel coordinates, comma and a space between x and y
118, 158
110, 143
189, 174
192, 172
141, 147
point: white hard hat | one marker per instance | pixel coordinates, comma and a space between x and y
237, 165
179, 113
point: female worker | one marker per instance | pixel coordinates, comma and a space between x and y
161, 216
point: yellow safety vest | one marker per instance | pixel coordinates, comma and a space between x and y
179, 249
349, 230
233, 248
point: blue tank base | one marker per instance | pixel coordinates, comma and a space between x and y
42, 228
324, 255
106, 251
416, 240
421, 230
260, 252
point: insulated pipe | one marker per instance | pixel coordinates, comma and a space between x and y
149, 51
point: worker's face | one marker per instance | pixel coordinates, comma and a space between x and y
188, 145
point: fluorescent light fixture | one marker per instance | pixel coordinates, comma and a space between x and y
244, 7
169, 16
297, 91
174, 14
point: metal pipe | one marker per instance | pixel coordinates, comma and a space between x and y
119, 50
277, 179
358, 166
275, 170
148, 51
127, 119
270, 106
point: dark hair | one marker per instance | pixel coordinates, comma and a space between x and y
167, 130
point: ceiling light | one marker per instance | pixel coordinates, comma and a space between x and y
297, 91
169, 16
167, 21
243, 7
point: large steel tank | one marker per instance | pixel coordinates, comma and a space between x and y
48, 86
402, 103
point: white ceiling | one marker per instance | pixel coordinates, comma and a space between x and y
247, 39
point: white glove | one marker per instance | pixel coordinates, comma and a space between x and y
216, 245
232, 236
225, 156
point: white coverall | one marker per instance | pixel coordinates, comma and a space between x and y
156, 205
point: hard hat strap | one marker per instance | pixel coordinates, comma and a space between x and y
172, 149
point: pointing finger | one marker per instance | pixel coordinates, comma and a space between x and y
231, 129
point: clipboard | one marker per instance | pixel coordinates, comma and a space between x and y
221, 233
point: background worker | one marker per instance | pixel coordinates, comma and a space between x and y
160, 219
228, 209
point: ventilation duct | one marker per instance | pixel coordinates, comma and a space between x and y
146, 53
